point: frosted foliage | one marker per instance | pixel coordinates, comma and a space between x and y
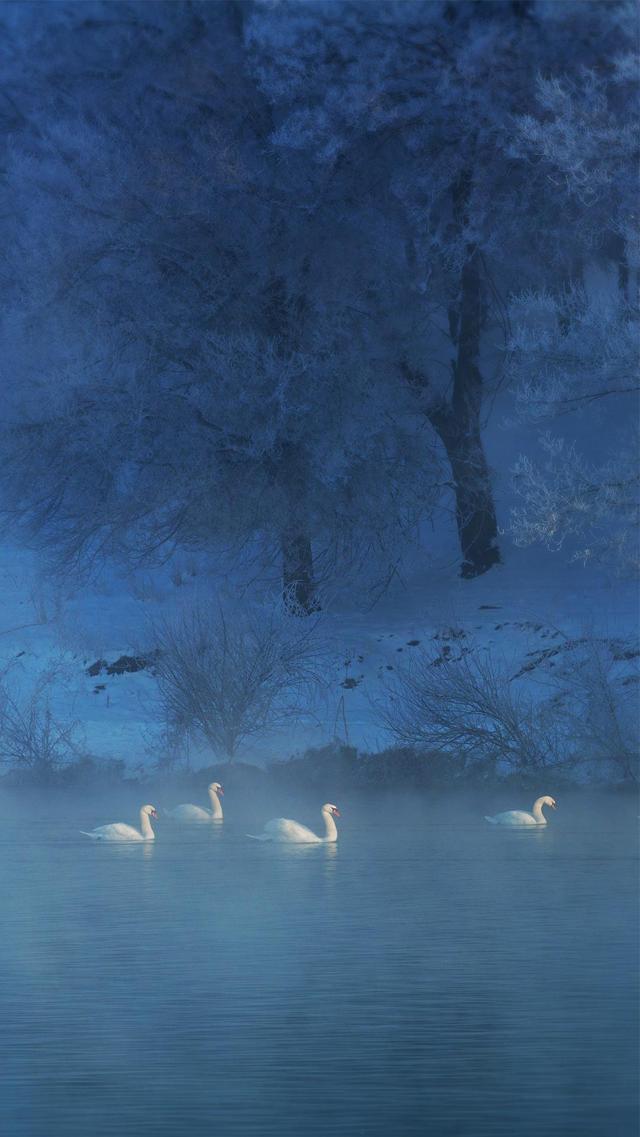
437, 88
180, 383
582, 137
573, 357
565, 500
232, 233
571, 351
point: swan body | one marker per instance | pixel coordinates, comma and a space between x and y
284, 830
121, 832
519, 817
191, 813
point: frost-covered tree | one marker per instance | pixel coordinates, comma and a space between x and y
411, 110
574, 368
574, 347
179, 381
254, 264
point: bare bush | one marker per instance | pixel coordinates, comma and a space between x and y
465, 706
599, 700
30, 736
583, 716
231, 676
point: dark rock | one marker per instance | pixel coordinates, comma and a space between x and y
126, 664
629, 654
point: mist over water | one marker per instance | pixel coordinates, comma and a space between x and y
427, 974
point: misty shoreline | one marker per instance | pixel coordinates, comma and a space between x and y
331, 770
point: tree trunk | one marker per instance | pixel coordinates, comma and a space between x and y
284, 320
457, 423
475, 511
281, 317
298, 583
458, 426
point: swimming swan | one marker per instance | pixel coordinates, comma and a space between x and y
521, 817
195, 813
282, 829
120, 832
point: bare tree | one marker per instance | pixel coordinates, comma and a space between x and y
230, 676
465, 706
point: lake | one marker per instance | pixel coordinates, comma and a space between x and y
429, 974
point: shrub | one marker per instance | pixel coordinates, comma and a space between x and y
232, 676
31, 737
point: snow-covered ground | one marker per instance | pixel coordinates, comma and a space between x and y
74, 641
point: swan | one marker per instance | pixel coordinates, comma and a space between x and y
195, 813
521, 817
282, 829
120, 832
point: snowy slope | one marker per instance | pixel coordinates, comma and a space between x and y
75, 640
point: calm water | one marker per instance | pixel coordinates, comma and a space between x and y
429, 975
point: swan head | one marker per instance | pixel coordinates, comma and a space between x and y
150, 810
548, 801
333, 809
217, 788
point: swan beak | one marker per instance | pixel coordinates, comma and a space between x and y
336, 813
154, 814
554, 806
221, 791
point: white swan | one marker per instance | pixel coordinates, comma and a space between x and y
282, 829
120, 832
521, 817
195, 813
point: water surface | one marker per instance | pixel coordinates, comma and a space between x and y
429, 974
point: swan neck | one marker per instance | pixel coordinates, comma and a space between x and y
537, 811
145, 826
216, 807
331, 832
